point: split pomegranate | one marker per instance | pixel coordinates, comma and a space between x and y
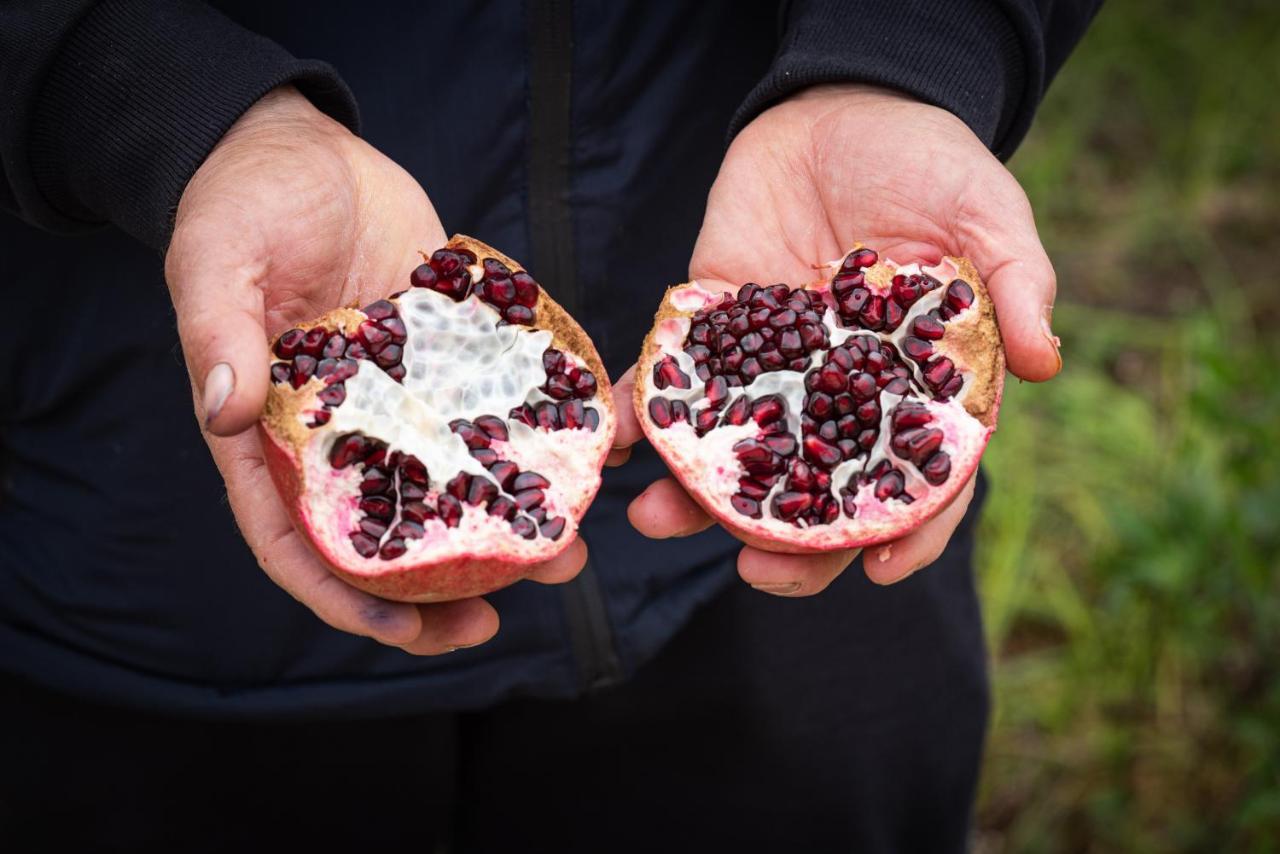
435, 444
836, 415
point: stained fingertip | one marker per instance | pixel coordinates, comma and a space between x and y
791, 575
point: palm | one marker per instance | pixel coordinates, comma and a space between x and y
798, 188
838, 165
290, 217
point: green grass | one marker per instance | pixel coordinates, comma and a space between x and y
1130, 550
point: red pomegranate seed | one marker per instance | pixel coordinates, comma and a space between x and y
392, 549
313, 342
523, 526
852, 303
376, 480
783, 444
450, 510
280, 372
660, 411
289, 343
667, 373
334, 347
377, 506
953, 386
552, 528
860, 259
365, 545
493, 426
395, 326
868, 412
303, 367
917, 348
584, 387
423, 277
530, 498
938, 372
416, 511
412, 470
737, 413
937, 469
547, 415
923, 445
409, 530
504, 472
788, 505
889, 485
831, 379
746, 506
958, 296
518, 314
481, 490
821, 451
373, 527
768, 409
529, 480
893, 315
863, 386
503, 507
349, 449
526, 289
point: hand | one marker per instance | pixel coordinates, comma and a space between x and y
804, 180
291, 216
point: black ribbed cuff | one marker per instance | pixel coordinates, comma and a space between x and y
137, 98
971, 57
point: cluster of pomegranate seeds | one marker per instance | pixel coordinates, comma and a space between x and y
848, 388
514, 295
762, 330
394, 491
568, 386
334, 358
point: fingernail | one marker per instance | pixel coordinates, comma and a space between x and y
1046, 327
784, 588
884, 553
218, 385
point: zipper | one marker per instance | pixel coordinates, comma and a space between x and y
550, 24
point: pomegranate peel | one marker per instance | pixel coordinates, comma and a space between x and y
835, 415
440, 443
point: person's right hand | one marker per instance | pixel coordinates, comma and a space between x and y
291, 216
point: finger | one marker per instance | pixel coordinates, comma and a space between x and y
998, 233
447, 626
629, 430
792, 575
666, 510
564, 566
289, 561
617, 457
892, 562
220, 322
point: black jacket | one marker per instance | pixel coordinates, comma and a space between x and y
121, 574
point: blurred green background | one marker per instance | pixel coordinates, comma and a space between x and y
1130, 551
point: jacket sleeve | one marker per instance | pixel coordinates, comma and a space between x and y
109, 106
987, 61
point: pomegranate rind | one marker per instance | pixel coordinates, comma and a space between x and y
972, 340
481, 555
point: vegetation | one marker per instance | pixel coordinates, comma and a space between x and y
1130, 550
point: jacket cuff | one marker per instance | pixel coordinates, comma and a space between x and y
966, 56
138, 96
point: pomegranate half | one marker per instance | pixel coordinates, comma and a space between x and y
436, 444
835, 415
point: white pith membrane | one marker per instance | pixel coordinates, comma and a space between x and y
461, 361
709, 465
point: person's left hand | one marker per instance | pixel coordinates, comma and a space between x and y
803, 182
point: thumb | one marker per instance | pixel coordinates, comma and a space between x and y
220, 323
1000, 238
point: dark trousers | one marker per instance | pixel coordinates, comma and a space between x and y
852, 721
